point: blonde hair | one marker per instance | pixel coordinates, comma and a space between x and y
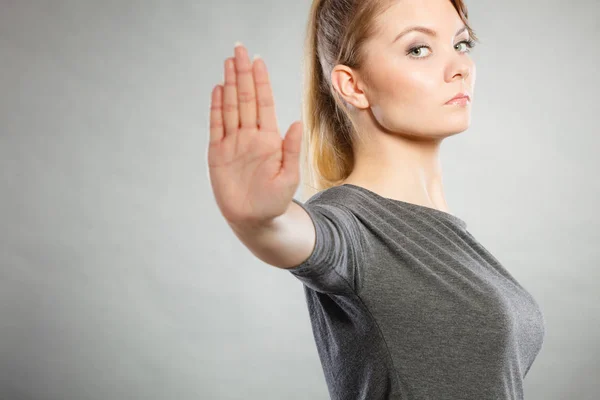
335, 34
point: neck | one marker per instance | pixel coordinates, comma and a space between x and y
400, 168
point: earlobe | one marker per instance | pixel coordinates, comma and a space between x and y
361, 101
361, 96
358, 99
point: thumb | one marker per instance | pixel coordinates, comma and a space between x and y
291, 151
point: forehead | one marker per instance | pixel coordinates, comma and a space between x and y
439, 15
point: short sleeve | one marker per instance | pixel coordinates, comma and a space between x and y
334, 265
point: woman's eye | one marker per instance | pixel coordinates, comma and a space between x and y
418, 51
466, 48
469, 44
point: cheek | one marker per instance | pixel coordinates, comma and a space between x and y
405, 97
407, 85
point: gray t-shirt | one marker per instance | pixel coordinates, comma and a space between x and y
406, 304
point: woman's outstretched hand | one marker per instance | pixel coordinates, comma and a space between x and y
253, 172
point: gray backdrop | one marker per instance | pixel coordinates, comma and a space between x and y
120, 278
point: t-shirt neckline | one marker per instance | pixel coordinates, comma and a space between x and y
434, 211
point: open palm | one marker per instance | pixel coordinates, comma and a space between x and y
253, 172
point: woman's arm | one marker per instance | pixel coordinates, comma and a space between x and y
284, 242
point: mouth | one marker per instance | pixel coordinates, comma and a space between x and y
460, 98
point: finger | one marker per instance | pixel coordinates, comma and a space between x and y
231, 119
245, 88
292, 144
216, 114
264, 94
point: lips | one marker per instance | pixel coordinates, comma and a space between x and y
462, 95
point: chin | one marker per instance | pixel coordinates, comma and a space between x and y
458, 129
457, 122
451, 127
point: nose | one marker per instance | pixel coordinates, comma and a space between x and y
459, 68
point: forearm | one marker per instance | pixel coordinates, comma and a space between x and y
283, 242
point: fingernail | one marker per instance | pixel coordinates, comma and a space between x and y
256, 56
238, 44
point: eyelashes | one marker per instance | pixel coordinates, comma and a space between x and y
470, 43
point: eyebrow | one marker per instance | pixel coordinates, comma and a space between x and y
428, 31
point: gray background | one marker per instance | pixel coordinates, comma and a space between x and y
120, 278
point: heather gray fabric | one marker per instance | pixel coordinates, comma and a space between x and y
406, 304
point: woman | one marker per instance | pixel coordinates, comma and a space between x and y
404, 302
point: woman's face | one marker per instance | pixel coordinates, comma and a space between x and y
407, 86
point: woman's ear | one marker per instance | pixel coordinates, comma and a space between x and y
345, 83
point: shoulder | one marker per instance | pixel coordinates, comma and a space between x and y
340, 206
336, 196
